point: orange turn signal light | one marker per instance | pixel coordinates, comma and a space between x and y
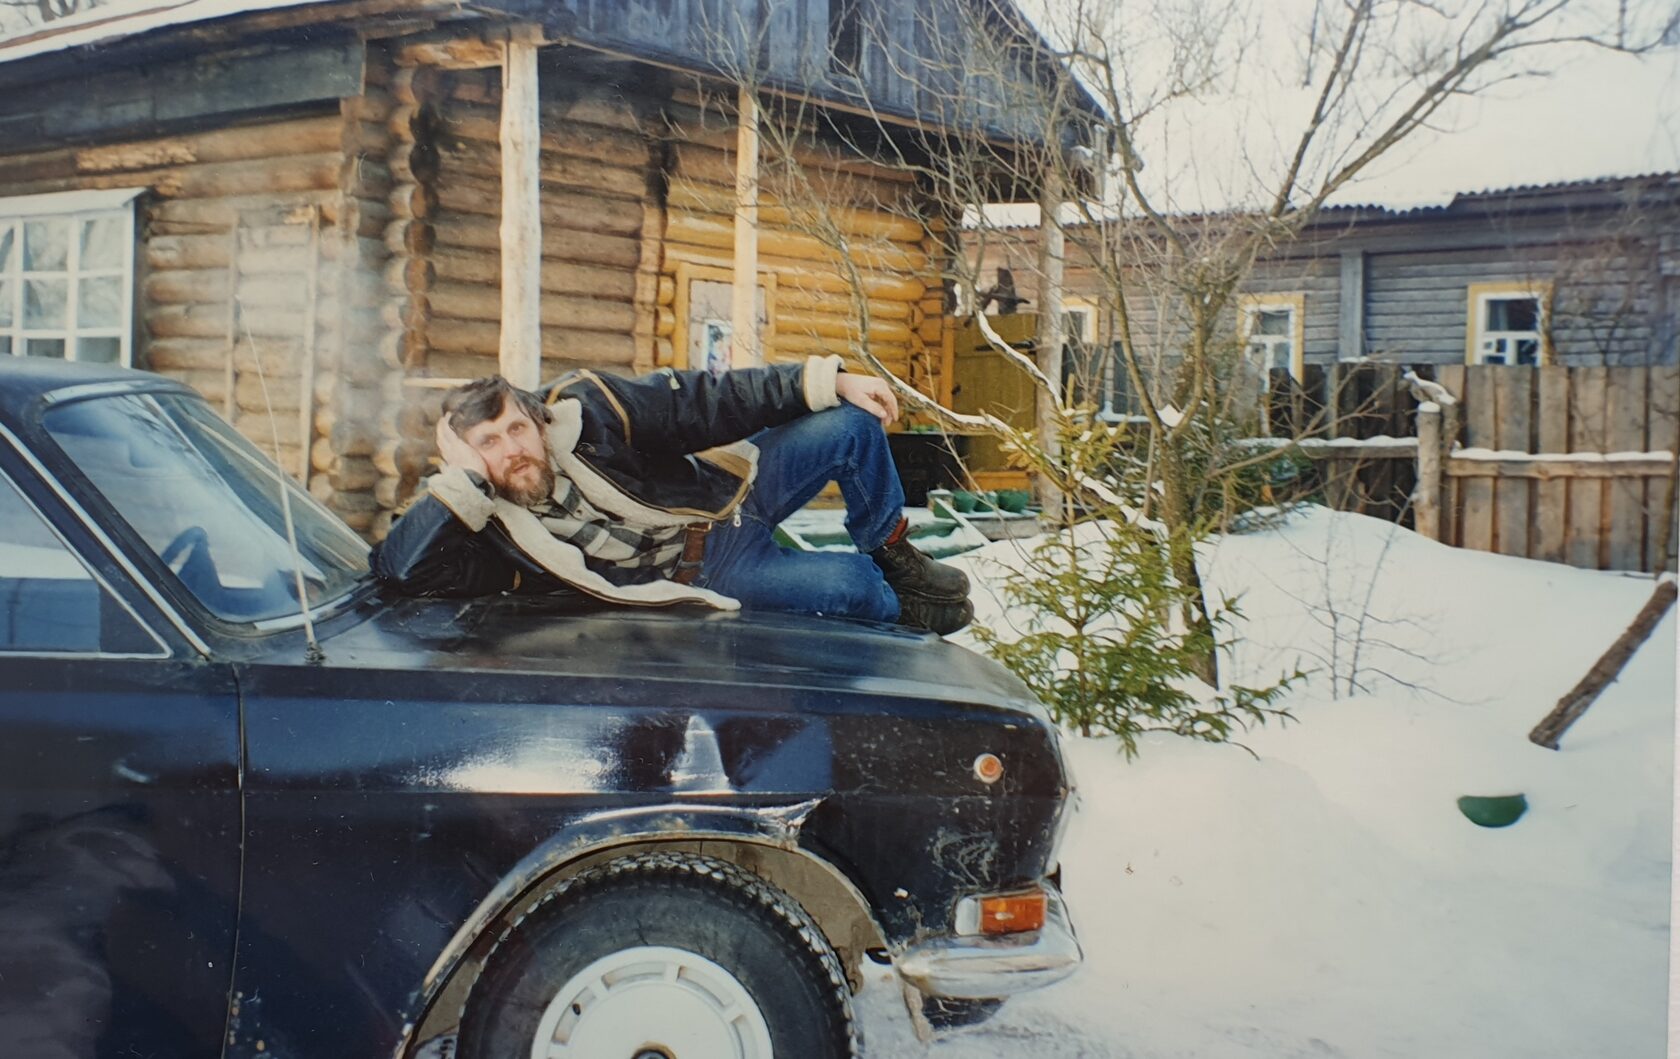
1012, 913
988, 768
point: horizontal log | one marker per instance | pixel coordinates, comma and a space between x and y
211, 382
708, 165
699, 197
404, 275
451, 340
188, 251
562, 134
262, 428
270, 140
565, 206
374, 105
354, 474
413, 201
464, 301
284, 392
839, 302
460, 160
798, 343
827, 325
170, 355
558, 277
804, 275
710, 230
409, 237
187, 286
1553, 466
560, 244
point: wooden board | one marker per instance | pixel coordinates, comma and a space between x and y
1549, 535
1663, 431
1451, 376
1513, 395
1625, 425
1480, 511
1586, 498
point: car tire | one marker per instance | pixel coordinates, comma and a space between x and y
662, 953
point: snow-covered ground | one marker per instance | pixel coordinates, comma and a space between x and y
1328, 899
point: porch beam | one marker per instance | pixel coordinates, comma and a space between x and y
520, 351
746, 344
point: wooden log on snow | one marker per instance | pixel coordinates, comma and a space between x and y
1608, 667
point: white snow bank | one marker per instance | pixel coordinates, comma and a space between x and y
1329, 899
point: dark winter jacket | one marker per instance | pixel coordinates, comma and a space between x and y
662, 450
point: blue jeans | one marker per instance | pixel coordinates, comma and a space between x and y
844, 445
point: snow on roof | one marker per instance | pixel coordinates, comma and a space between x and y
121, 18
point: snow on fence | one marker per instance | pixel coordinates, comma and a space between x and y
1567, 464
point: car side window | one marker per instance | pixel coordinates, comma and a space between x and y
50, 603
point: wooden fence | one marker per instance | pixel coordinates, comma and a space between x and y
1573, 465
1598, 488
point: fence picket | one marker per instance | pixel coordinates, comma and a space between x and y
1549, 537
1587, 497
1662, 534
1625, 409
1481, 414
1513, 398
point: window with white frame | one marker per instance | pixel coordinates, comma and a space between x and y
67, 276
1507, 323
1272, 330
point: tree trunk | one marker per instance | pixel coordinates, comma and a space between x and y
1176, 512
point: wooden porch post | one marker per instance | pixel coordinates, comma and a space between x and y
1052, 250
746, 347
521, 338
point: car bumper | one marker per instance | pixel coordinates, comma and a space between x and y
978, 966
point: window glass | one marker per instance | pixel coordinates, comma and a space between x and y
46, 246
49, 602
64, 284
208, 505
1513, 314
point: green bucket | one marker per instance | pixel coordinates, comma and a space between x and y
1493, 810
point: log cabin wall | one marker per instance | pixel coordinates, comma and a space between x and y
237, 252
596, 162
879, 210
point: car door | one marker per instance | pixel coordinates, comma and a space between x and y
119, 801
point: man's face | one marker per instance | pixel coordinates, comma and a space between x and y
515, 458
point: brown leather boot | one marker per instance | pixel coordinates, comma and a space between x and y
911, 573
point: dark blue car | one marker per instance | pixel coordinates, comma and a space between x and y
251, 806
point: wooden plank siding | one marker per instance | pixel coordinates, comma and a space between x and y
1597, 514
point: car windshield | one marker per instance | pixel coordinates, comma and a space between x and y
208, 504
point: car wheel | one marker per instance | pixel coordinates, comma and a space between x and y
661, 956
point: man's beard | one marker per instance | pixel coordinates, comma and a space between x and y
529, 495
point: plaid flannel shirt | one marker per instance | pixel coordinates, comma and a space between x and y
620, 553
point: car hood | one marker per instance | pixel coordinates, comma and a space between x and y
522, 634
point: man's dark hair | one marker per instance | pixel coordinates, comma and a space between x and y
482, 400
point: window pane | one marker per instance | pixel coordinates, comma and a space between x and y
5, 345
1513, 314
44, 347
103, 242
1271, 322
48, 601
8, 296
99, 302
99, 350
45, 302
8, 239
46, 246
1528, 351
1281, 355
